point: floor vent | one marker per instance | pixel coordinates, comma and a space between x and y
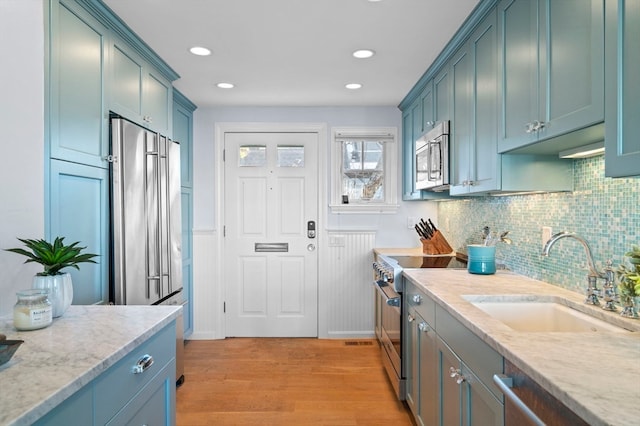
359, 343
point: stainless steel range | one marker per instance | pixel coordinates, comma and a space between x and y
387, 280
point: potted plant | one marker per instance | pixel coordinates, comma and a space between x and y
55, 257
629, 286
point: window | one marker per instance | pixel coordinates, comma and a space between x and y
364, 170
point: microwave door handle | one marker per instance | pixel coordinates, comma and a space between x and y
434, 173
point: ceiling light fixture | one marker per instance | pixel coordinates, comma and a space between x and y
584, 151
225, 85
363, 53
353, 86
200, 51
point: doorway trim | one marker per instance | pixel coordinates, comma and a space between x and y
221, 128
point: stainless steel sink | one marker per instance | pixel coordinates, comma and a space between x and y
540, 314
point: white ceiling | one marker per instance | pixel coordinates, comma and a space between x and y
295, 52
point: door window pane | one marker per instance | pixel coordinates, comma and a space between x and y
252, 156
290, 156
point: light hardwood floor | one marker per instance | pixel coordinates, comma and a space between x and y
278, 381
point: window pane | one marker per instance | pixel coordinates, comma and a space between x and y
363, 170
290, 156
252, 156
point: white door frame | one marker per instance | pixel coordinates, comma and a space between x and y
219, 292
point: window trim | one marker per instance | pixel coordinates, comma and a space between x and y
389, 137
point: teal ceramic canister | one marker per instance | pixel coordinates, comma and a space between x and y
481, 259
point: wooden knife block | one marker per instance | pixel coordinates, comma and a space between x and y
437, 244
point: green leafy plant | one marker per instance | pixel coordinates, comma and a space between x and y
53, 257
630, 275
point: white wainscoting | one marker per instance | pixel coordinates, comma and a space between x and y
207, 301
346, 291
345, 286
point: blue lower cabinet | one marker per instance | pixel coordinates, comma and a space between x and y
119, 397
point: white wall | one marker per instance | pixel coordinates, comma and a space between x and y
22, 124
390, 230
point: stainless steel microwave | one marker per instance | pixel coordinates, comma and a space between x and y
432, 158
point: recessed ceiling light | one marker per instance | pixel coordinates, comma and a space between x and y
225, 85
353, 86
363, 53
200, 51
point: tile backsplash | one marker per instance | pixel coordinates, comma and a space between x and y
603, 211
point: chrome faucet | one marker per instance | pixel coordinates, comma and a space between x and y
592, 290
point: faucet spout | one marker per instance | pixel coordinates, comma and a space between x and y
593, 272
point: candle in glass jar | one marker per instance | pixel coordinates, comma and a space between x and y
32, 310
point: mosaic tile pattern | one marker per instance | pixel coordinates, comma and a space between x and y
603, 211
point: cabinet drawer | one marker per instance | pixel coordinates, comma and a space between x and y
119, 384
152, 405
424, 305
480, 357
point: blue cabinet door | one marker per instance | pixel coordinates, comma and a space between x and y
462, 122
622, 157
518, 21
442, 95
474, 157
75, 86
551, 69
79, 211
428, 119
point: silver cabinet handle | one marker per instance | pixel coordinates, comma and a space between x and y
505, 383
143, 363
456, 374
423, 326
528, 128
417, 299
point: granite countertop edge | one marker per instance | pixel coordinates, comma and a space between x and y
70, 353
577, 382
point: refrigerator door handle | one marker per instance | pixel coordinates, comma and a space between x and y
152, 179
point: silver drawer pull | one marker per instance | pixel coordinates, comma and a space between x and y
505, 383
143, 363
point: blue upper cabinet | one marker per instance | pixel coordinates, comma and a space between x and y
551, 74
138, 92
442, 94
76, 86
428, 105
622, 157
474, 158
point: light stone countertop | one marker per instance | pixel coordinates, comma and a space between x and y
54, 362
596, 375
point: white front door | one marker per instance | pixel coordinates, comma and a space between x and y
271, 261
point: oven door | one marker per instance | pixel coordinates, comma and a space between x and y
391, 335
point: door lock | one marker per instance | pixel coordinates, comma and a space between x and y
311, 229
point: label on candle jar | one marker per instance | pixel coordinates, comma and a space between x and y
32, 311
30, 319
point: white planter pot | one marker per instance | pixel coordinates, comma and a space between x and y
60, 290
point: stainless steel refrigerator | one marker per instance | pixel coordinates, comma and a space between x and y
146, 219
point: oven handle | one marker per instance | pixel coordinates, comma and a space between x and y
391, 301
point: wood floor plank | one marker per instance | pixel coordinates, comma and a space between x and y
279, 381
